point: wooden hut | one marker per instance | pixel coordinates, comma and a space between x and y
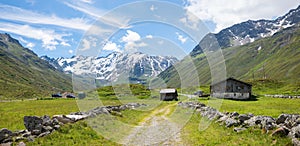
168, 94
232, 89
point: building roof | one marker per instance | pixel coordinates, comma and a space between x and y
167, 91
231, 78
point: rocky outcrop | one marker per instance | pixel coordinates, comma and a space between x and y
284, 125
42, 126
283, 96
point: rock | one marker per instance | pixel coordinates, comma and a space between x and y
223, 119
231, 122
20, 138
281, 118
47, 128
33, 123
236, 129
4, 135
243, 117
21, 144
295, 132
234, 114
44, 134
27, 134
30, 138
36, 132
295, 142
282, 131
6, 144
46, 121
56, 127
63, 119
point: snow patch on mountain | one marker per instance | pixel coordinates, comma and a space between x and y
110, 68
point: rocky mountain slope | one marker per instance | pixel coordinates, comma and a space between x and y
275, 58
24, 75
249, 31
137, 67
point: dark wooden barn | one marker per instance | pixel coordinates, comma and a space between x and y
168, 94
231, 89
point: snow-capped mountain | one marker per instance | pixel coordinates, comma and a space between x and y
136, 66
249, 31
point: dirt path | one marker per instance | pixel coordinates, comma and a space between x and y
156, 129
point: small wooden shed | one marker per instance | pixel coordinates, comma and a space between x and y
168, 94
232, 89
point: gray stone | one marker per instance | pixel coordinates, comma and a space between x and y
231, 122
234, 114
33, 123
4, 135
281, 118
236, 129
36, 132
46, 120
56, 127
20, 138
295, 132
281, 131
27, 134
295, 142
243, 117
44, 134
21, 143
47, 128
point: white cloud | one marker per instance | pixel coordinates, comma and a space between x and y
50, 39
18, 14
131, 36
134, 46
225, 13
71, 51
181, 38
63, 43
132, 41
111, 19
30, 45
87, 1
152, 8
149, 36
110, 46
87, 43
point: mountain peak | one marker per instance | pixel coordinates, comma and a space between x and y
5, 37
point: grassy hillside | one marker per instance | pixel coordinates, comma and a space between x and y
24, 75
274, 61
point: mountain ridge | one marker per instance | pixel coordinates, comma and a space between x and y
24, 75
137, 66
251, 30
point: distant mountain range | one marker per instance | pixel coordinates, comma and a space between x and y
24, 75
249, 31
136, 67
253, 50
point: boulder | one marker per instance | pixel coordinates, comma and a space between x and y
231, 122
281, 118
281, 131
33, 123
243, 117
56, 127
295, 142
236, 129
295, 132
5, 134
44, 134
63, 119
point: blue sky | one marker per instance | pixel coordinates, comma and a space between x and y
61, 28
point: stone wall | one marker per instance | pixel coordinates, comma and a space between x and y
284, 125
42, 126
